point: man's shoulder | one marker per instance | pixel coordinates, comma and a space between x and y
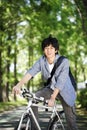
61, 57
63, 60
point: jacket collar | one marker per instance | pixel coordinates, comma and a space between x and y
46, 62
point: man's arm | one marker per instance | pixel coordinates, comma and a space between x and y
16, 89
55, 93
53, 97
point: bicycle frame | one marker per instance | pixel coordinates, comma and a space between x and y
29, 110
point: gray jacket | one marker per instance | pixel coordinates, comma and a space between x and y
60, 80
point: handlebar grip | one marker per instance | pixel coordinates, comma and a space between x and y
42, 98
27, 94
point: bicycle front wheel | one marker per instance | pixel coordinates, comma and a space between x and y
25, 124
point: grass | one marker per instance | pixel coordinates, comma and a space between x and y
4, 106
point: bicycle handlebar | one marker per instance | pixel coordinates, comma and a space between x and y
27, 94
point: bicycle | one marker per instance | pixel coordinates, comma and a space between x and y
56, 118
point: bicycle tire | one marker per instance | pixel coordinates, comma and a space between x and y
26, 123
55, 124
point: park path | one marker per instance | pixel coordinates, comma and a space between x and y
8, 119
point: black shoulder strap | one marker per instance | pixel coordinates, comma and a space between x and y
73, 81
59, 61
57, 64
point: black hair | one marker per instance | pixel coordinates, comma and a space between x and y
50, 41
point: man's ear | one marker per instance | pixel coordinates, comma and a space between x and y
56, 51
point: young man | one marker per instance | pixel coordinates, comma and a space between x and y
60, 86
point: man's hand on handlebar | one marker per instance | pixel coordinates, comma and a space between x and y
16, 90
51, 102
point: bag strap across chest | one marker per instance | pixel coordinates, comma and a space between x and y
56, 65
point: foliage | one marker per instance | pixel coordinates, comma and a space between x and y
82, 98
23, 25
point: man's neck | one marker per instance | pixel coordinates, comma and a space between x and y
51, 60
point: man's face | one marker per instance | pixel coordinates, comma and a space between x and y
49, 51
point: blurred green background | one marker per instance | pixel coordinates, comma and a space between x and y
24, 24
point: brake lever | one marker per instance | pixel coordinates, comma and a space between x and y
26, 93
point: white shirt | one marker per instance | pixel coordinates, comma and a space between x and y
50, 67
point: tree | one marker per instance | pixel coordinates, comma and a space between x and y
23, 25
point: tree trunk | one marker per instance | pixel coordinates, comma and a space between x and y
82, 9
8, 72
1, 73
15, 70
30, 50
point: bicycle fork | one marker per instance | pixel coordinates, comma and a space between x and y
35, 120
33, 116
19, 126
